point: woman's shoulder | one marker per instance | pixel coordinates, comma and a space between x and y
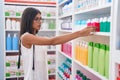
24, 35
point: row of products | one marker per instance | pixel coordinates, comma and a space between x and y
52, 77
88, 4
12, 41
80, 76
12, 10
14, 72
118, 72
51, 60
66, 24
67, 8
48, 25
64, 70
94, 55
11, 67
11, 61
102, 24
12, 24
67, 48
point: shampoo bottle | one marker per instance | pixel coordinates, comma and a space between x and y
8, 42
15, 42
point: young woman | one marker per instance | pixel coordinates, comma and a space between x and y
30, 24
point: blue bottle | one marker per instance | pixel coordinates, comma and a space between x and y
15, 42
8, 42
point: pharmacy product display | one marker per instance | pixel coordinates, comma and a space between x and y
89, 55
13, 12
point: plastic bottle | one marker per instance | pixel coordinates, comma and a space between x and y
51, 25
101, 60
101, 24
77, 51
8, 42
17, 25
96, 24
105, 24
13, 24
15, 42
90, 54
107, 61
44, 25
89, 22
95, 56
8, 24
108, 24
85, 54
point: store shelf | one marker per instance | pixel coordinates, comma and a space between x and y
12, 51
69, 31
13, 17
54, 17
65, 15
97, 10
12, 30
62, 53
14, 77
91, 70
51, 49
19, 2
63, 2
102, 33
44, 17
48, 30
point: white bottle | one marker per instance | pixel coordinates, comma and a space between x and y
44, 25
17, 25
8, 24
13, 24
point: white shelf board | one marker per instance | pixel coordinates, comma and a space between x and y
14, 77
51, 49
62, 3
11, 30
52, 17
102, 33
51, 74
44, 17
91, 70
62, 53
65, 31
12, 51
97, 10
65, 15
12, 16
47, 30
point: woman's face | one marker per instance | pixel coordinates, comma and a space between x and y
37, 22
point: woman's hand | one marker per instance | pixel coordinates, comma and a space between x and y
88, 31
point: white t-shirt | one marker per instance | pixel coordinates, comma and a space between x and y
40, 72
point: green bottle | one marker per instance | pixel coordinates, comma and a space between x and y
101, 60
107, 61
105, 24
90, 54
95, 56
101, 24
52, 25
108, 25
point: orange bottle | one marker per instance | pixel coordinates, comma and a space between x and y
85, 57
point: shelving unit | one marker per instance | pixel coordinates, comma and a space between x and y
77, 14
47, 31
